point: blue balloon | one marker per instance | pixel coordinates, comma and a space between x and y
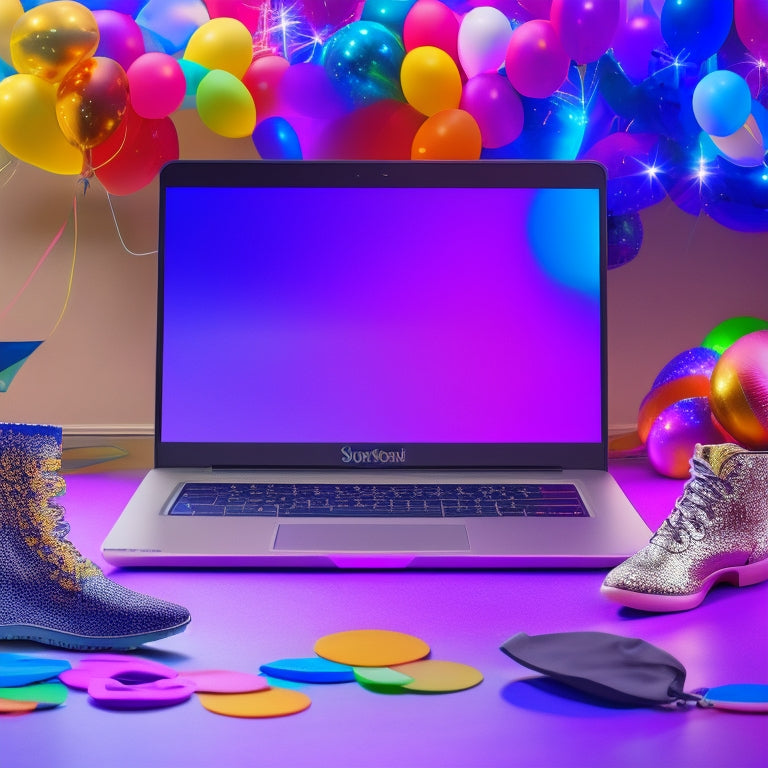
722, 102
363, 61
695, 29
275, 139
390, 13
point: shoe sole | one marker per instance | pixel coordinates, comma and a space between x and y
73, 642
739, 576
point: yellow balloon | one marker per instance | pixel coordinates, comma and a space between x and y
29, 129
50, 39
221, 43
430, 80
225, 105
10, 12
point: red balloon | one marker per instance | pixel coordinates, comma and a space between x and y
262, 79
430, 22
131, 158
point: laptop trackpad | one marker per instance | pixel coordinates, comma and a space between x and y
372, 537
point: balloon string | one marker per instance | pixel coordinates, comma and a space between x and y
120, 234
4, 312
71, 271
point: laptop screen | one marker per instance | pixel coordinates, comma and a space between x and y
420, 314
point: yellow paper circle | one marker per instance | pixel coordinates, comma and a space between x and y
274, 702
435, 676
29, 128
430, 80
225, 105
371, 648
51, 38
221, 43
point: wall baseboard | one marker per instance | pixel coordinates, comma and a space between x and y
108, 430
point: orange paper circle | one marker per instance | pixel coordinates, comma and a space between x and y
434, 676
371, 648
274, 702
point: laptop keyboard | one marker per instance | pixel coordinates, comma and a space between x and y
358, 500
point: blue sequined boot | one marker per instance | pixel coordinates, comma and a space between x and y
49, 592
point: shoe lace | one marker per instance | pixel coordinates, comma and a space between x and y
692, 513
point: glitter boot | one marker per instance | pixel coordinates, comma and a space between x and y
49, 592
717, 532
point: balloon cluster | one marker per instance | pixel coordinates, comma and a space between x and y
713, 393
669, 95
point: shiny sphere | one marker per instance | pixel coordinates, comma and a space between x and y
739, 390
674, 434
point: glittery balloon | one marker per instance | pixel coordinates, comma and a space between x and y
675, 433
739, 390
666, 394
698, 361
363, 59
625, 236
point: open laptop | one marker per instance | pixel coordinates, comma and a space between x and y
380, 364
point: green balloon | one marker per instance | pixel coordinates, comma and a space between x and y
724, 334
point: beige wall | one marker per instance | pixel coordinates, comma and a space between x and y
95, 374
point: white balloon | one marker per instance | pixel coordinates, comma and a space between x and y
484, 35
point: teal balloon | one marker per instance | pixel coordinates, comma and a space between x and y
390, 13
363, 61
193, 74
722, 102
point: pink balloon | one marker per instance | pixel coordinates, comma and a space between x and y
496, 107
250, 14
430, 22
585, 27
536, 63
157, 85
120, 37
751, 18
539, 9
262, 79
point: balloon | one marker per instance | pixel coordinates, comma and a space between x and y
585, 27
673, 436
452, 134
224, 44
171, 23
307, 90
697, 361
430, 80
665, 395
363, 60
745, 147
722, 102
536, 62
193, 75
249, 14
383, 130
225, 105
120, 37
91, 101
634, 43
262, 79
50, 39
751, 19
157, 84
134, 154
694, 30
430, 22
484, 35
10, 12
275, 139
496, 107
29, 129
127, 7
330, 14
724, 334
390, 13
739, 390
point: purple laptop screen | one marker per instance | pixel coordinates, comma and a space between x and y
407, 315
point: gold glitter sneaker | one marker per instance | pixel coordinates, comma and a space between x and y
717, 532
49, 592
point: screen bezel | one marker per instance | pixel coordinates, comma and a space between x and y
551, 174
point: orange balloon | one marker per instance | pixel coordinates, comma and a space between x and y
51, 38
91, 101
694, 385
452, 134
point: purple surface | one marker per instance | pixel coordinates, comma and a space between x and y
243, 619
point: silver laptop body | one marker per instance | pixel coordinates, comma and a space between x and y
410, 357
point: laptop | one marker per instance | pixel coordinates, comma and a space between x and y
380, 364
